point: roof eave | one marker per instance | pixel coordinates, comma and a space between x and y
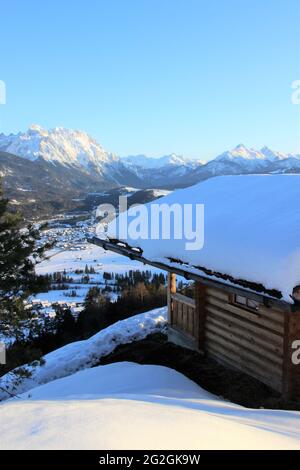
135, 254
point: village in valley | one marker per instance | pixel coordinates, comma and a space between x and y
75, 265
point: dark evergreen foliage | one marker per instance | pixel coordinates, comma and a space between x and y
19, 251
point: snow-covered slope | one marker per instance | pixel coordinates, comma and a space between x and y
131, 406
84, 354
69, 404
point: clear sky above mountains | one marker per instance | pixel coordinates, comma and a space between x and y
155, 76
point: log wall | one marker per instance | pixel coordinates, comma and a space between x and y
291, 367
260, 343
249, 341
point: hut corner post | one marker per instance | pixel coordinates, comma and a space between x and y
200, 316
291, 369
171, 290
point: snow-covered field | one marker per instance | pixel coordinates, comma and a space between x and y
69, 404
73, 260
130, 406
93, 255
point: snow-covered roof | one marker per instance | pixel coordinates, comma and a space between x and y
251, 229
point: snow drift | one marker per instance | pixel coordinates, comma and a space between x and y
131, 406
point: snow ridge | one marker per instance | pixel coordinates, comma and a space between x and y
84, 354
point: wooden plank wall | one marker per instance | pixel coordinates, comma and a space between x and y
258, 343
291, 370
248, 341
183, 314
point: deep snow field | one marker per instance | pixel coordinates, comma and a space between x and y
131, 406
69, 404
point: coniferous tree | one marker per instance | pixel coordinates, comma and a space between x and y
19, 253
94, 298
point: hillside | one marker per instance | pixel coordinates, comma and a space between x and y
69, 404
40, 188
47, 171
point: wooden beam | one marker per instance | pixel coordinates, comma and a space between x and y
170, 291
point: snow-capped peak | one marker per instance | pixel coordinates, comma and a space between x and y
241, 148
37, 128
59, 145
241, 152
274, 155
146, 162
78, 151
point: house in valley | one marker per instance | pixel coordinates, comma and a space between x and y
245, 312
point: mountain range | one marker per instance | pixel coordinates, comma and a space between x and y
53, 169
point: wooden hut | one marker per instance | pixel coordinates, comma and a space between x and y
241, 323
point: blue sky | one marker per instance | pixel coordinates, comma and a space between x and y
194, 77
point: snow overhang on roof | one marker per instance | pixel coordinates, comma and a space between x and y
256, 292
251, 234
